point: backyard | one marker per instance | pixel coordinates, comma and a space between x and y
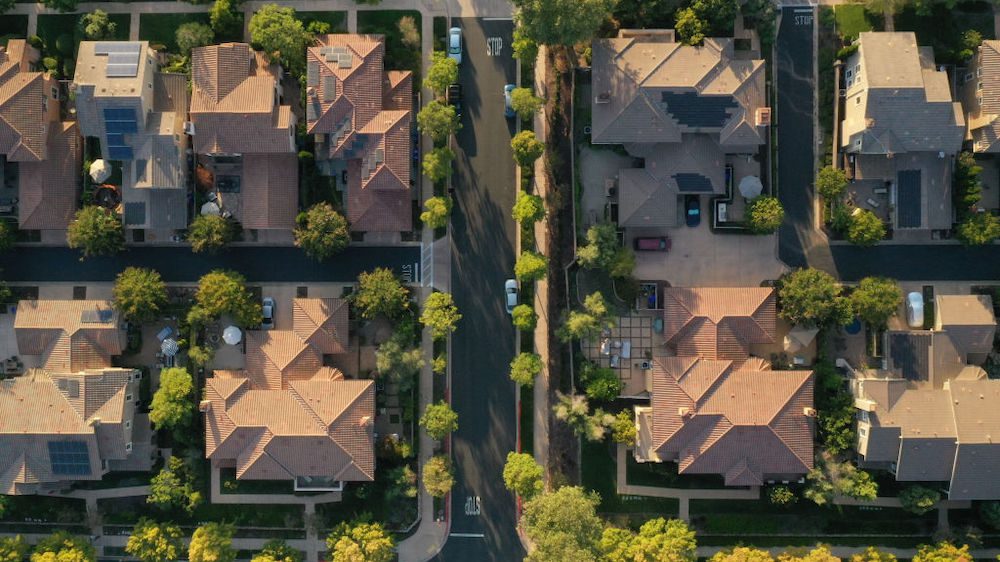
336, 20
400, 53
943, 28
60, 35
598, 474
13, 27
161, 29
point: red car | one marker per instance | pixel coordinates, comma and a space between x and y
652, 244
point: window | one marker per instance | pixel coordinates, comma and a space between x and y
55, 93
857, 100
979, 71
128, 446
69, 458
128, 424
862, 432
862, 416
979, 85
128, 397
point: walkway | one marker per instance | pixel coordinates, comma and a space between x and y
541, 417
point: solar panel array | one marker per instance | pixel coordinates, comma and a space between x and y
908, 207
693, 183
69, 457
123, 57
695, 110
340, 55
119, 121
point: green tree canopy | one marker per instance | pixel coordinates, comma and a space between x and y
436, 211
531, 266
140, 295
872, 554
222, 292
813, 298
561, 22
96, 232
97, 26
765, 214
210, 233
657, 539
781, 495
526, 147
865, 228
690, 27
360, 542
438, 476
13, 549
524, 317
61, 5
978, 229
600, 383
989, 511
919, 499
524, 47
7, 232
321, 232
381, 292
623, 429
191, 35
439, 420
601, 248
399, 360
437, 163
524, 102
830, 478
718, 15
831, 183
836, 426
155, 542
63, 546
742, 554
943, 552
404, 483
440, 314
876, 299
225, 21
442, 73
172, 405
574, 411
589, 322
818, 554
563, 525
528, 209
174, 486
439, 120
967, 184
277, 550
525, 367
522, 475
212, 542
276, 31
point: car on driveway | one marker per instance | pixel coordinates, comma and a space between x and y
455, 98
510, 295
508, 108
267, 308
915, 310
692, 210
652, 244
455, 44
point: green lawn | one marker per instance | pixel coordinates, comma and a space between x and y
398, 56
48, 509
60, 36
371, 499
664, 475
943, 28
528, 420
13, 27
230, 485
160, 29
598, 474
337, 20
851, 20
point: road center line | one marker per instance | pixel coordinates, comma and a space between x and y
468, 535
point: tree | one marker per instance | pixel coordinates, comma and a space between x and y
919, 499
436, 211
718, 15
623, 429
97, 26
437, 163
563, 525
526, 147
139, 294
360, 542
317, 27
13, 549
224, 19
212, 542
865, 228
690, 28
830, 478
764, 215
408, 31
439, 120
397, 359
872, 554
437, 476
155, 542
210, 233
573, 410
943, 552
531, 266
818, 554
836, 426
586, 323
524, 317
440, 314
61, 5
525, 367
321, 232
781, 495
601, 247
968, 188
222, 292
96, 232
600, 383
884, 8
561, 22
62, 546
528, 209
522, 475
174, 486
989, 511
813, 298
172, 405
440, 364
657, 539
876, 299
191, 35
978, 229
442, 73
277, 550
7, 236
277, 32
404, 483
742, 554
831, 183
380, 292
524, 47
524, 102
439, 420
7, 5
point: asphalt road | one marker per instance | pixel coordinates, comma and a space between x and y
483, 517
178, 264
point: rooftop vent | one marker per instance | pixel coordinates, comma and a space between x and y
603, 97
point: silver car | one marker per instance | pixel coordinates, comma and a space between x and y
267, 308
510, 295
455, 44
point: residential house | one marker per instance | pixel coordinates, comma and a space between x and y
980, 91
930, 414
39, 152
361, 118
686, 110
74, 416
286, 416
136, 114
715, 408
244, 138
901, 130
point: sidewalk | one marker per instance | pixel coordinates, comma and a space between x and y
541, 339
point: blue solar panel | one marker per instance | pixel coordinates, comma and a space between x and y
120, 126
119, 114
693, 183
908, 182
69, 457
694, 110
116, 139
120, 152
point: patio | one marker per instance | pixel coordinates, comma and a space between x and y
627, 348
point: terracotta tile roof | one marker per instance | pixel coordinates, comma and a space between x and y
718, 323
269, 191
397, 90
70, 335
49, 189
373, 210
24, 115
323, 323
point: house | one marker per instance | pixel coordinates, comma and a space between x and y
980, 91
715, 408
360, 116
244, 138
136, 114
901, 129
683, 109
286, 416
41, 153
74, 416
929, 416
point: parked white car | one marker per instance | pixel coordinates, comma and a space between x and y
915, 310
267, 307
455, 44
510, 295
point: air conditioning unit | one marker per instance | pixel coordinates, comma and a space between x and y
603, 97
646, 365
188, 128
763, 116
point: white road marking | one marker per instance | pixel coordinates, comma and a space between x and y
494, 46
468, 535
473, 505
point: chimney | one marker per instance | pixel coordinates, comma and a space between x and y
686, 413
809, 412
204, 406
603, 97
365, 421
94, 421
762, 116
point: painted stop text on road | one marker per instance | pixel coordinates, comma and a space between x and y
473, 506
494, 46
